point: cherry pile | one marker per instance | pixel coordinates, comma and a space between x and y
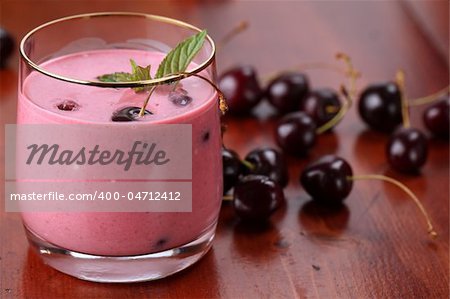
258, 182
287, 92
303, 114
256, 196
384, 107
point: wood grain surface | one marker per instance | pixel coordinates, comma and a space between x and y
376, 246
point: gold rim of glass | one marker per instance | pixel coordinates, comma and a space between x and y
159, 81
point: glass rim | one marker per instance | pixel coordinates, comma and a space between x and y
131, 84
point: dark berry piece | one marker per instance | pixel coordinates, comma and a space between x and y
6, 47
436, 118
286, 91
380, 106
268, 162
256, 197
231, 169
128, 114
296, 133
161, 243
322, 105
241, 89
68, 105
327, 180
205, 136
407, 150
180, 97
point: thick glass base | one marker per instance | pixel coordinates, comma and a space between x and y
122, 268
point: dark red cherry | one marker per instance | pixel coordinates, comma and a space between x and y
268, 162
436, 118
380, 106
327, 179
6, 47
296, 133
407, 150
231, 169
128, 114
286, 91
241, 89
322, 105
256, 197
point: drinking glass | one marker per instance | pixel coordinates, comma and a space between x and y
58, 90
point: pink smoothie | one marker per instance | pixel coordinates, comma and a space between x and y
126, 233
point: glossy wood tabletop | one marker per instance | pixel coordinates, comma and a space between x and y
376, 246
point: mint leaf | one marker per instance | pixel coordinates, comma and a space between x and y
115, 77
178, 59
138, 73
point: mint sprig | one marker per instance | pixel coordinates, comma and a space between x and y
176, 61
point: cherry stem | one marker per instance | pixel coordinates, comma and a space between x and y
429, 98
242, 26
227, 198
400, 80
351, 72
408, 191
222, 102
150, 92
340, 115
248, 164
352, 75
331, 109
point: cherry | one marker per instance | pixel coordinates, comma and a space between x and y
380, 106
231, 169
68, 105
327, 180
296, 133
407, 150
256, 197
436, 117
268, 162
321, 104
287, 90
127, 114
241, 89
6, 47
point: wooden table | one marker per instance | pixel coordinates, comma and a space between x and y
374, 247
